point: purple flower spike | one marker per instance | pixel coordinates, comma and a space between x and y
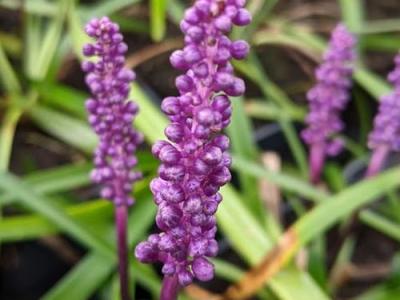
111, 116
195, 161
385, 136
328, 98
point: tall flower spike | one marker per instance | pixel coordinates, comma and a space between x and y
111, 117
385, 136
195, 161
328, 98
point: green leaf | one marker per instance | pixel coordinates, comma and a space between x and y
251, 241
54, 95
42, 56
243, 145
8, 76
41, 205
150, 121
70, 130
83, 280
353, 14
158, 19
79, 279
7, 131
284, 181
75, 29
34, 226
175, 10
253, 70
380, 223
338, 206
54, 180
106, 7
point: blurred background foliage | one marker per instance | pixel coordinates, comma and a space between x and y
57, 237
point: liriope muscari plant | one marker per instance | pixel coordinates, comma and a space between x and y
385, 136
195, 162
328, 98
111, 116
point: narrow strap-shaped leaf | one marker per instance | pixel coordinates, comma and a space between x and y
71, 130
243, 145
39, 204
284, 181
35, 226
8, 77
158, 18
140, 220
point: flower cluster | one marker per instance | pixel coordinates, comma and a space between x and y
386, 130
195, 161
110, 114
330, 95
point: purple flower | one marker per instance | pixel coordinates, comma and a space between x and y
386, 129
328, 98
385, 136
195, 161
110, 114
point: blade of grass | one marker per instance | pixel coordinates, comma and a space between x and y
72, 286
267, 111
311, 45
54, 95
105, 8
158, 19
49, 43
311, 225
70, 130
353, 14
175, 10
243, 226
145, 121
240, 133
381, 224
251, 68
54, 180
338, 206
7, 132
41, 205
8, 77
284, 181
140, 219
75, 29
380, 26
25, 227
381, 42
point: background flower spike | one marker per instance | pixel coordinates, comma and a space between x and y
111, 116
328, 98
385, 136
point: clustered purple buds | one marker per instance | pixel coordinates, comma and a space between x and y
329, 97
195, 161
386, 131
110, 114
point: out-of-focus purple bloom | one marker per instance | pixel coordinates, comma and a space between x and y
328, 98
195, 161
385, 136
110, 114
386, 129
